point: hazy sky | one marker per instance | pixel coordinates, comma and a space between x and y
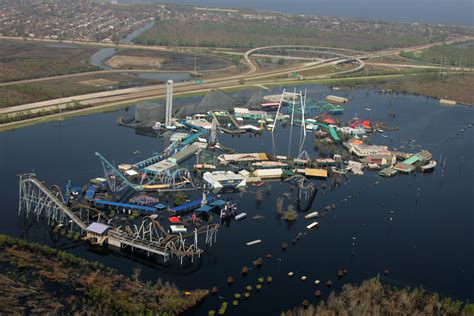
458, 12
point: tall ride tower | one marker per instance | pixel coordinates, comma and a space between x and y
169, 103
213, 133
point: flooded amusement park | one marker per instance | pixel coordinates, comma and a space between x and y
259, 193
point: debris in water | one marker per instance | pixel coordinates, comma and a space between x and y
258, 262
254, 242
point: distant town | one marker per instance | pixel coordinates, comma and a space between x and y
85, 20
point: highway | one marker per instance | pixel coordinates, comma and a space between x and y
252, 74
108, 71
155, 91
396, 65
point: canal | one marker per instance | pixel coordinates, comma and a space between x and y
102, 55
418, 227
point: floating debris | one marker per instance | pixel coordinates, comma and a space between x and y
268, 256
329, 283
254, 242
240, 216
303, 278
340, 274
311, 215
256, 217
214, 290
317, 282
245, 270
269, 279
317, 293
290, 274
284, 246
258, 262
230, 280
312, 225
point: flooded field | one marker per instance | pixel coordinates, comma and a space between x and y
411, 229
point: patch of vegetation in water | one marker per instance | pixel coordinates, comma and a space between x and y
37, 279
374, 298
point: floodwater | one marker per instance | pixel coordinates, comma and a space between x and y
420, 227
102, 55
128, 39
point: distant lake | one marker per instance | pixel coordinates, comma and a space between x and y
455, 12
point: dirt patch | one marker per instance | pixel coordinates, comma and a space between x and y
99, 82
181, 61
124, 61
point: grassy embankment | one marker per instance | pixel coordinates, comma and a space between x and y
374, 298
454, 86
20, 60
36, 279
248, 34
60, 88
450, 55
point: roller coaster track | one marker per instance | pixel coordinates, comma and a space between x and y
35, 198
86, 213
